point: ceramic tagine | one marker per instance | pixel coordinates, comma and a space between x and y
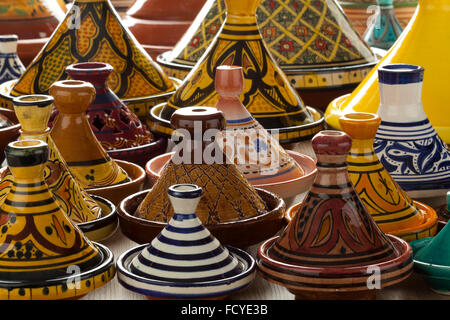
254, 151
87, 160
118, 129
231, 208
10, 65
332, 249
406, 142
185, 261
362, 12
267, 92
159, 24
432, 260
32, 21
257, 155
92, 31
385, 28
419, 44
44, 255
312, 42
391, 208
95, 216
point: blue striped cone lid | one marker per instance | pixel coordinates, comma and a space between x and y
185, 251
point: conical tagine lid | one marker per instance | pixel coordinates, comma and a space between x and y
332, 227
72, 134
267, 93
392, 209
227, 195
205, 258
254, 151
38, 241
332, 242
113, 123
406, 143
33, 112
92, 31
298, 35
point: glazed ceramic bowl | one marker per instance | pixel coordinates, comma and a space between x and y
8, 134
117, 192
285, 135
104, 227
157, 289
140, 154
288, 190
241, 234
436, 276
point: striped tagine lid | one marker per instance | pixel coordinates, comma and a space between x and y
41, 247
391, 208
332, 242
406, 142
185, 260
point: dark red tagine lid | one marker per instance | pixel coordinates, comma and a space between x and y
332, 243
114, 125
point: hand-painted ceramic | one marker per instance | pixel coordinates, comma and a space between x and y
122, 6
406, 142
32, 21
10, 65
229, 200
159, 24
385, 28
185, 261
33, 112
257, 155
267, 93
118, 129
288, 190
92, 31
361, 12
332, 247
312, 42
227, 197
432, 260
430, 25
71, 132
9, 129
391, 208
44, 256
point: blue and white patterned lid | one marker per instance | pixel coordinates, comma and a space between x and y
185, 251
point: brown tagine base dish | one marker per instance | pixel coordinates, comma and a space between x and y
118, 192
241, 234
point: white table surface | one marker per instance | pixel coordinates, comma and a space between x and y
413, 288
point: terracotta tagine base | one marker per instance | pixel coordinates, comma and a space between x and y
9, 133
287, 190
116, 193
241, 234
158, 124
